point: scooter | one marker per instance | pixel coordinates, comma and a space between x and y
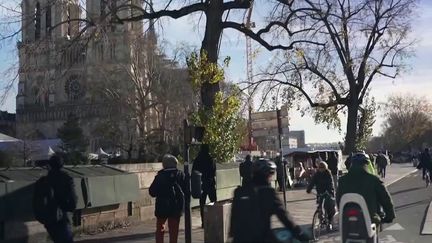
355, 221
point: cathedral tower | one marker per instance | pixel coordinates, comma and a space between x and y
60, 60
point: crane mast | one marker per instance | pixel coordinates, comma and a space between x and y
249, 72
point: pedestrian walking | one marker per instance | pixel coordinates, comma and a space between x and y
204, 164
280, 167
246, 170
425, 162
54, 198
381, 162
168, 187
332, 163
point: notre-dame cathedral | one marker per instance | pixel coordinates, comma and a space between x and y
62, 58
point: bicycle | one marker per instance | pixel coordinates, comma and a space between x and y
320, 217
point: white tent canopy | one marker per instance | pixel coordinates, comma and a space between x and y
101, 152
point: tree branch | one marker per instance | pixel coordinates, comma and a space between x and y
175, 14
257, 36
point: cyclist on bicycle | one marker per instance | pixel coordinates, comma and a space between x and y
369, 186
253, 206
323, 181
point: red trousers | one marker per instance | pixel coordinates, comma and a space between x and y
173, 226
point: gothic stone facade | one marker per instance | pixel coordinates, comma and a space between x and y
59, 64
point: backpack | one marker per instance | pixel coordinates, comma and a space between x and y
245, 215
45, 207
176, 197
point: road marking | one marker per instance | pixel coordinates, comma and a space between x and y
388, 239
427, 225
395, 227
400, 178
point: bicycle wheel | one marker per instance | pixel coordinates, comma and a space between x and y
316, 225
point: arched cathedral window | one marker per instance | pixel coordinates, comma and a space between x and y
48, 20
37, 21
68, 13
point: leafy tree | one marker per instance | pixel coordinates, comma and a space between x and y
74, 144
222, 124
351, 43
366, 121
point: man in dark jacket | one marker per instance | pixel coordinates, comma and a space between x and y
280, 166
245, 169
332, 163
381, 162
369, 186
253, 206
206, 166
168, 187
66, 198
425, 162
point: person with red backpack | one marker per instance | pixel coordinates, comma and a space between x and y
168, 187
53, 198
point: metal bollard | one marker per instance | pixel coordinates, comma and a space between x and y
216, 222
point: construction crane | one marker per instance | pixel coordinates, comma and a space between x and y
249, 71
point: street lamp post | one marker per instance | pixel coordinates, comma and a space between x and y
280, 131
192, 136
187, 194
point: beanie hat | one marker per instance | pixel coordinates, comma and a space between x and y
169, 161
56, 162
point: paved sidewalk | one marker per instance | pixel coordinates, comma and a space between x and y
300, 205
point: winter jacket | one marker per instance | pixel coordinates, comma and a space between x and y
332, 162
425, 161
246, 172
269, 204
323, 181
358, 180
381, 161
161, 188
64, 190
205, 164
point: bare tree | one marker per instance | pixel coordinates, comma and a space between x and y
152, 99
359, 41
408, 122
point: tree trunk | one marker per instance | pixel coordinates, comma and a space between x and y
210, 45
351, 135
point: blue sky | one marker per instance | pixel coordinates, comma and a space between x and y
185, 30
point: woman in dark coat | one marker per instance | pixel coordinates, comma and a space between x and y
168, 187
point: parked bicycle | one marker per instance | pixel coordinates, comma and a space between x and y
320, 221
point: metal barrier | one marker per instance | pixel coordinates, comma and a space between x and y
95, 186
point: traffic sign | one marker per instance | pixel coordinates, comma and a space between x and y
268, 124
268, 115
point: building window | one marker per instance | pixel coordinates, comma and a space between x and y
113, 9
74, 89
48, 20
37, 21
68, 13
102, 7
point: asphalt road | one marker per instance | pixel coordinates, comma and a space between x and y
411, 199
